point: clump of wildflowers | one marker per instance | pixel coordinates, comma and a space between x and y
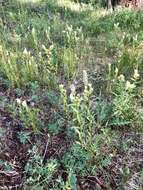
27, 114
79, 108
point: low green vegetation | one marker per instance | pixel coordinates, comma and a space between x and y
71, 95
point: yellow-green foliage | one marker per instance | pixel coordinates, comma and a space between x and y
44, 43
18, 67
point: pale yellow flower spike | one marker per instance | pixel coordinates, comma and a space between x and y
136, 74
85, 78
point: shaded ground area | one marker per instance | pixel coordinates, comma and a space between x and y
14, 155
126, 164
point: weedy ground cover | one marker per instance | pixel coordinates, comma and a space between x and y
71, 96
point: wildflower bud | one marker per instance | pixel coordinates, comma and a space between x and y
109, 68
25, 52
130, 86
85, 78
51, 47
72, 94
136, 74
30, 63
18, 100
61, 86
116, 71
1, 49
121, 78
40, 55
32, 104
33, 31
43, 47
72, 87
7, 53
24, 104
90, 88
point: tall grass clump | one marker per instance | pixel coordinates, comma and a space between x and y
71, 53
22, 67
